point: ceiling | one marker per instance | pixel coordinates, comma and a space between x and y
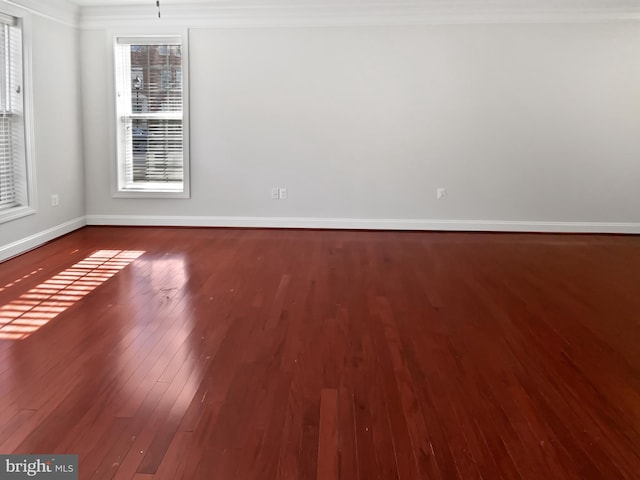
244, 13
578, 4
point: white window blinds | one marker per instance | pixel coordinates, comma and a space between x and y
149, 91
13, 178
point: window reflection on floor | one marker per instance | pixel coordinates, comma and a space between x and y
35, 308
23, 278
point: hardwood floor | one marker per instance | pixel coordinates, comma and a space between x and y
221, 354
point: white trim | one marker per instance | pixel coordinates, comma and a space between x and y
224, 14
366, 224
29, 117
25, 244
14, 213
57, 10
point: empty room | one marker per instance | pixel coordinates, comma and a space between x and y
320, 239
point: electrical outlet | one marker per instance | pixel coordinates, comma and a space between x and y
440, 193
283, 194
275, 193
55, 200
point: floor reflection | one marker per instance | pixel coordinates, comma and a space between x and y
16, 282
35, 308
163, 320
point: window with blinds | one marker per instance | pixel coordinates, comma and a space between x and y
150, 101
13, 175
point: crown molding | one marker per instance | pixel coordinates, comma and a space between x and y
60, 11
199, 15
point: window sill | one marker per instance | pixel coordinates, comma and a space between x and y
147, 193
14, 213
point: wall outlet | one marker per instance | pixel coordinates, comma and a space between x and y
275, 193
55, 200
441, 193
283, 194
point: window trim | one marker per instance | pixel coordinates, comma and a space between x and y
30, 208
151, 33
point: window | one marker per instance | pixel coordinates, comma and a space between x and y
15, 191
150, 101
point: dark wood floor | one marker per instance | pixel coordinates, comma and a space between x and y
263, 354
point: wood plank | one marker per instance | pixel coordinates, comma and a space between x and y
328, 442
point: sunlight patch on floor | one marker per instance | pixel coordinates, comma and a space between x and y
15, 282
35, 308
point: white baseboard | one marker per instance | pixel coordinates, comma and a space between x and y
37, 239
366, 224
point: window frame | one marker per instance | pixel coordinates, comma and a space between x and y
118, 189
30, 206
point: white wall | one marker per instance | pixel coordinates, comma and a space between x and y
522, 123
58, 139
528, 126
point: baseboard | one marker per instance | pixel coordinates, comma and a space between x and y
366, 224
37, 239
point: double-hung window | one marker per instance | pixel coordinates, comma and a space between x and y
14, 175
152, 155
